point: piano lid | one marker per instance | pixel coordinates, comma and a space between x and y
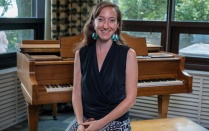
33, 46
154, 48
136, 43
45, 57
139, 45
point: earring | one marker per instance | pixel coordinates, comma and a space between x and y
115, 37
94, 36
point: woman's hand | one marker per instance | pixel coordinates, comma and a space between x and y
92, 125
82, 127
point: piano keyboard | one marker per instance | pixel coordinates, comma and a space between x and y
60, 87
159, 82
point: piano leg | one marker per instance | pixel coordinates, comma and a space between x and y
33, 111
163, 102
54, 111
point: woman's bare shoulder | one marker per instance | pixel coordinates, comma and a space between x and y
131, 53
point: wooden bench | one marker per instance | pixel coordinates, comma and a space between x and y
166, 124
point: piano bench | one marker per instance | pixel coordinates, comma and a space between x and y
166, 124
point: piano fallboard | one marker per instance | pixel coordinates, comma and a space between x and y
162, 90
46, 97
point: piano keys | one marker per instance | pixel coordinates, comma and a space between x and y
58, 87
159, 82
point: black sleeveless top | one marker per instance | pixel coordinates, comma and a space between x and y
103, 91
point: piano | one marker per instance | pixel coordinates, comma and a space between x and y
45, 77
159, 73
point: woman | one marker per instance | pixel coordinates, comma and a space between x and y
105, 74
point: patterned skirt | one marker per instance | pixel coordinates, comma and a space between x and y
112, 126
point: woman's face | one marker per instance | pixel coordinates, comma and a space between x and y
106, 23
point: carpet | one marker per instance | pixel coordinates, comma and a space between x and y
46, 122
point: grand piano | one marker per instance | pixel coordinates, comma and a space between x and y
46, 73
45, 77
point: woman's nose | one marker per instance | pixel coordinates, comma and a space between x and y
106, 24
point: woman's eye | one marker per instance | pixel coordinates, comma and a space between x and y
100, 20
112, 21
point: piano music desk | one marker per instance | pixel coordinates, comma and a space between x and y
166, 124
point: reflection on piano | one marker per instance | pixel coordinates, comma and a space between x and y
42, 76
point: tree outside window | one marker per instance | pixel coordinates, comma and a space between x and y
15, 9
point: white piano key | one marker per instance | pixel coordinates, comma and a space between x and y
59, 87
159, 83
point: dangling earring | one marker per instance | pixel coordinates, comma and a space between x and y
94, 36
115, 37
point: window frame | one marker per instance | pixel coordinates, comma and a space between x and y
147, 26
191, 63
36, 24
8, 59
170, 31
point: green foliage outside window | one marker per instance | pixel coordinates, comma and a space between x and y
142, 9
156, 10
4, 6
192, 10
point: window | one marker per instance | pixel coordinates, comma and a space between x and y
15, 9
8, 8
151, 38
194, 45
149, 10
179, 23
145, 18
9, 38
192, 10
175, 22
19, 20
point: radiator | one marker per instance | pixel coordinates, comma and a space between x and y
12, 104
194, 106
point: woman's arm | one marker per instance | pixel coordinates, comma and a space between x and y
131, 92
77, 92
